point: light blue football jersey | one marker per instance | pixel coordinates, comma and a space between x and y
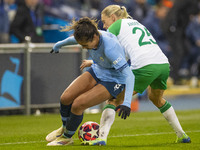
110, 64
109, 58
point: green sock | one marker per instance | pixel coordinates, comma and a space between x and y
165, 107
168, 112
109, 106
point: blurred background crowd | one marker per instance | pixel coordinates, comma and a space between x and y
175, 24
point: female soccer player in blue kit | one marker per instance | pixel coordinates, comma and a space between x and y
105, 79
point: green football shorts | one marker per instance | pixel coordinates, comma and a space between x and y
155, 75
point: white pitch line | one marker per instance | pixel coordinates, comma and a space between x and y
146, 134
21, 143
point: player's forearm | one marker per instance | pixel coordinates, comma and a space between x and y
67, 41
129, 88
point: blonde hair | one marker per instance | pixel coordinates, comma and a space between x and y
84, 29
119, 11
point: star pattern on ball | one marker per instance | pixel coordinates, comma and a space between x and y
88, 131
93, 132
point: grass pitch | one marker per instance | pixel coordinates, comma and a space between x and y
142, 130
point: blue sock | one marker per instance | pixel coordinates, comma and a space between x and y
72, 124
65, 111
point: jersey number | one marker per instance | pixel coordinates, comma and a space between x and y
145, 32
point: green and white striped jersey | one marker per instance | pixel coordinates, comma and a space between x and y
140, 46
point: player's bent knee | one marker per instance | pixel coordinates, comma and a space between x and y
78, 107
114, 102
65, 99
110, 102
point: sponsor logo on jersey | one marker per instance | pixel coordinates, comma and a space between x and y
116, 61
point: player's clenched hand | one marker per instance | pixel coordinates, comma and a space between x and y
86, 63
56, 51
124, 111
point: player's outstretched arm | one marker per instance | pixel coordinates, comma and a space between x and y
68, 41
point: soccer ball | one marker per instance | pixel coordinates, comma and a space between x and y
88, 131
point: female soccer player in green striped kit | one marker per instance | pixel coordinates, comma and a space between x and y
149, 65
